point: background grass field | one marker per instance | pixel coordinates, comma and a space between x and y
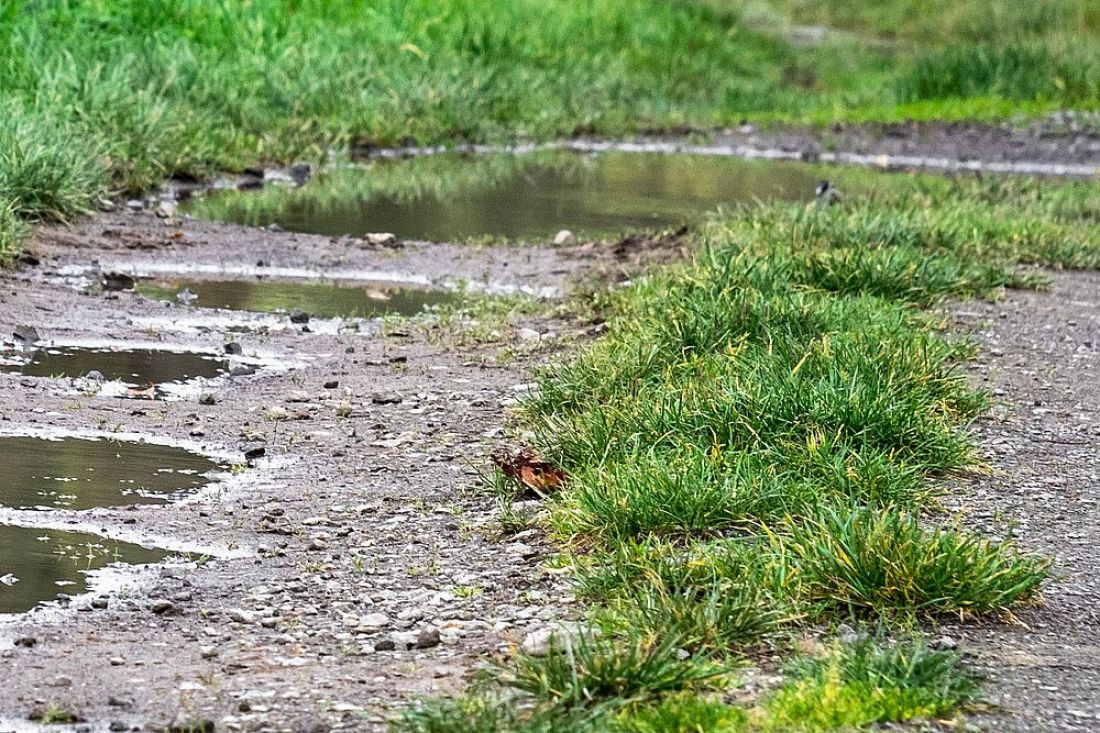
103, 96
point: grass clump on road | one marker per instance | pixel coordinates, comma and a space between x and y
755, 444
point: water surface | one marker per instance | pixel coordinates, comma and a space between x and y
38, 565
326, 300
138, 367
75, 473
533, 196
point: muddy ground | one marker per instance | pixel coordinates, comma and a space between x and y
362, 520
362, 530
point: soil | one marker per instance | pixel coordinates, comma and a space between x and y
1040, 358
363, 530
363, 518
1059, 141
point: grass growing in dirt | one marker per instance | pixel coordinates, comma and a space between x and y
115, 95
754, 448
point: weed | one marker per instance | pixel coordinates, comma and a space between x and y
871, 681
861, 560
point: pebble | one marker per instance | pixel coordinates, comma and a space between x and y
565, 237
380, 239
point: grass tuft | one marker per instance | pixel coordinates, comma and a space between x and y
864, 561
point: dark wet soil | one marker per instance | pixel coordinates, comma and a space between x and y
1052, 141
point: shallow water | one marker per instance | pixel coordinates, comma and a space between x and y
326, 300
72, 473
38, 565
533, 196
137, 367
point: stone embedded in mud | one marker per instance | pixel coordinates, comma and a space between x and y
115, 281
299, 316
427, 638
554, 638
380, 239
565, 237
26, 334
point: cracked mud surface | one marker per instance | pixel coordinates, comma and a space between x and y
361, 527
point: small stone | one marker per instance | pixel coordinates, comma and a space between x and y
241, 616
166, 209
300, 172
253, 453
380, 239
528, 334
207, 398
187, 725
26, 641
208, 652
847, 634
277, 413
162, 607
374, 621
427, 638
298, 315
385, 645
332, 384
117, 725
539, 643
565, 237
117, 661
233, 348
114, 281
26, 334
945, 643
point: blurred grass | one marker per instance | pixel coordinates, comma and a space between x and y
114, 95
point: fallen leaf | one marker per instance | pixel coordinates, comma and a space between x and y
531, 470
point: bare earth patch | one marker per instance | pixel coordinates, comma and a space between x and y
360, 532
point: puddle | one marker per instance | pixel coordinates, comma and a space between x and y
78, 473
532, 196
39, 565
322, 299
136, 367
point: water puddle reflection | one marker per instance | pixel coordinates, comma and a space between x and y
135, 367
531, 196
325, 300
38, 565
77, 473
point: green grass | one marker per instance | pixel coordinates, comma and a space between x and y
756, 445
115, 95
870, 681
874, 680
